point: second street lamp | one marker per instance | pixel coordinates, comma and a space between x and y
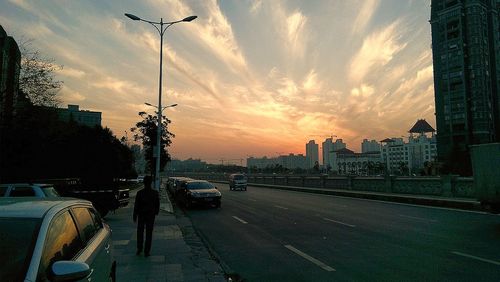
161, 27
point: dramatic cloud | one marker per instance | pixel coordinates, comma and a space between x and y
378, 49
251, 77
365, 14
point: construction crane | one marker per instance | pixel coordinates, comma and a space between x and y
325, 136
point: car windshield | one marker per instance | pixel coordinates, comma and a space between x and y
199, 185
239, 177
17, 240
50, 192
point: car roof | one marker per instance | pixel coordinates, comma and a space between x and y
42, 185
182, 178
32, 207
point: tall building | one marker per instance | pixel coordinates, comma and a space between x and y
370, 146
10, 66
312, 154
327, 146
73, 112
465, 50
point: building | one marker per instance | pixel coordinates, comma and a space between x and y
290, 161
73, 113
349, 162
293, 161
466, 59
261, 162
326, 147
328, 156
312, 152
10, 67
409, 158
370, 146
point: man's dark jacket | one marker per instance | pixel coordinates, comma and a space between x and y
147, 203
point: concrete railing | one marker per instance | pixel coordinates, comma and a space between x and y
447, 186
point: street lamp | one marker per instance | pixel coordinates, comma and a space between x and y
161, 30
163, 108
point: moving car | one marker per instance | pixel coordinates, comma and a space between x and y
199, 192
237, 181
28, 190
53, 239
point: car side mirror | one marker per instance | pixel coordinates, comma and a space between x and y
70, 270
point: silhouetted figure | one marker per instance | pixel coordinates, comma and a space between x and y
146, 207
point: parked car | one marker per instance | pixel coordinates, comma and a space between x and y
53, 239
174, 184
28, 190
237, 181
199, 192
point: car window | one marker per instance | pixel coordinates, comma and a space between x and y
239, 177
22, 192
17, 240
86, 224
97, 219
50, 191
199, 185
62, 243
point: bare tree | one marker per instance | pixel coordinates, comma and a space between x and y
37, 78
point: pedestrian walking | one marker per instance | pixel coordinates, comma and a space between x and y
146, 207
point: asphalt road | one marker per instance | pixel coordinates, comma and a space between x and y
275, 235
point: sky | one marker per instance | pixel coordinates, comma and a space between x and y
250, 77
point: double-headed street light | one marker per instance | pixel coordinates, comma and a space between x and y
161, 30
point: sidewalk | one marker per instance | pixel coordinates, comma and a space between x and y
177, 253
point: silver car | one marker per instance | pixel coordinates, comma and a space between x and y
53, 239
28, 190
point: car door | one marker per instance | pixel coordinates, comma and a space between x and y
97, 242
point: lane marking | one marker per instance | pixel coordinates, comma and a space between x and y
419, 218
339, 222
309, 258
477, 258
239, 219
253, 200
280, 207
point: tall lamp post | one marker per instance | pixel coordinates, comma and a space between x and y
161, 30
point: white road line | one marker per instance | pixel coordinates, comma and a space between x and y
309, 258
477, 258
419, 218
339, 222
253, 200
239, 219
280, 207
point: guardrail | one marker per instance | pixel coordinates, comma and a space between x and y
446, 186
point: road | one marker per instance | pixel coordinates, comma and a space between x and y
275, 235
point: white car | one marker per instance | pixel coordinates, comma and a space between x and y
28, 190
237, 181
53, 239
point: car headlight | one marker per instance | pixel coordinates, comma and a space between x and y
218, 194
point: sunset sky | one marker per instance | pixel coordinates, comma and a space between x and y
251, 77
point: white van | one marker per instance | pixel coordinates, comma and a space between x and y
237, 181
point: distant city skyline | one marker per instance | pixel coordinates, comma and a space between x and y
250, 77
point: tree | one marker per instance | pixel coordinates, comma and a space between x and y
40, 146
37, 78
146, 132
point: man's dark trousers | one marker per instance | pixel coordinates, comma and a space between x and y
148, 222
